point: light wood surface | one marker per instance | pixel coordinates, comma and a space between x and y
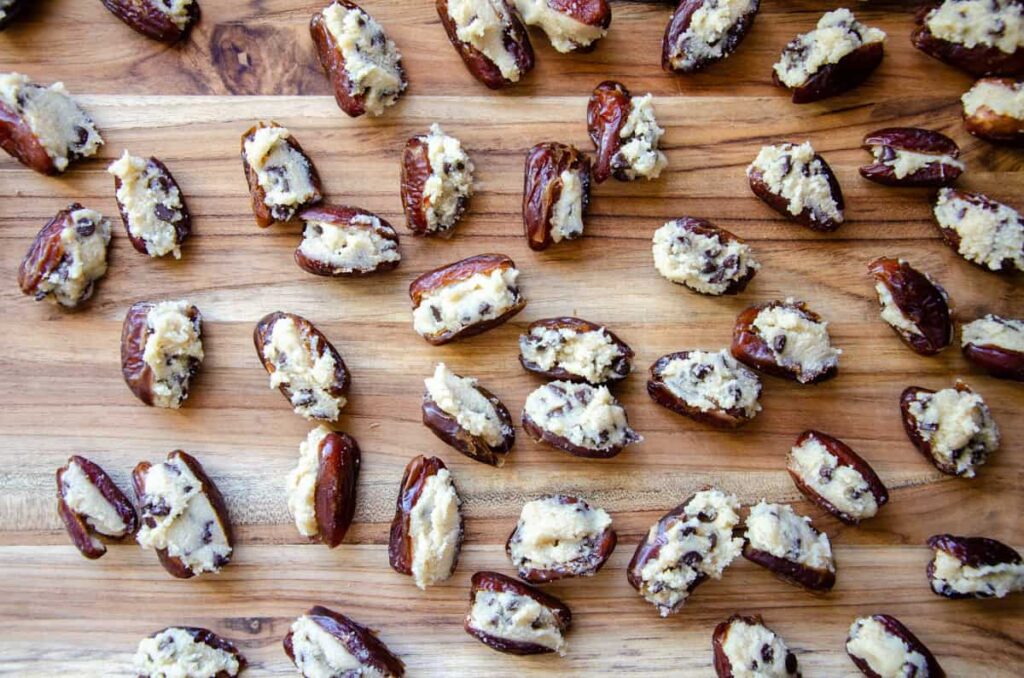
62, 391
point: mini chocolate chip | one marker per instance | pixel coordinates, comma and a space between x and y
825, 472
790, 662
767, 653
436, 312
701, 370
779, 343
691, 558
787, 164
707, 515
85, 227
164, 213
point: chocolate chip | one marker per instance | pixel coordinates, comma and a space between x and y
779, 343
85, 227
767, 653
707, 515
692, 558
164, 213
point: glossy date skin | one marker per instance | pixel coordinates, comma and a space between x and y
921, 300
144, 17
360, 641
542, 187
400, 545
83, 536
998, 128
999, 361
499, 583
917, 140
978, 60
607, 112
842, 76
335, 494
516, 41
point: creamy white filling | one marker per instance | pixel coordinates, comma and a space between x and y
777, 529
997, 96
318, 654
797, 341
704, 38
174, 653
993, 330
435, 529
837, 35
450, 183
84, 499
84, 261
372, 60
480, 297
587, 416
979, 23
567, 212
484, 24
302, 480
989, 235
905, 163
713, 381
551, 533
151, 204
640, 137
842, 486
514, 617
308, 371
703, 263
792, 171
564, 31
892, 314
357, 247
885, 653
591, 355
958, 426
755, 651
283, 173
173, 346
988, 580
460, 398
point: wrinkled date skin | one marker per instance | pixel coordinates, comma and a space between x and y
143, 16
447, 428
360, 641
749, 348
400, 545
978, 60
516, 41
998, 128
660, 393
921, 300
607, 112
910, 425
416, 169
211, 639
85, 539
806, 217
542, 187
952, 238
998, 361
12, 12
182, 227
46, 253
845, 456
263, 213
499, 583
805, 576
896, 628
842, 76
916, 140
335, 494
18, 140
671, 60
621, 367
723, 667
344, 216
134, 333
975, 552
174, 565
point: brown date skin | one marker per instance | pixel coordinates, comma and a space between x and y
952, 238
143, 17
923, 301
801, 575
453, 273
137, 374
334, 498
896, 628
416, 169
517, 42
82, 535
207, 637
997, 128
343, 215
916, 140
842, 76
257, 195
708, 229
45, 255
806, 217
333, 62
723, 667
539, 435
597, 13
607, 112
845, 456
542, 187
447, 428
360, 641
172, 564
622, 364
662, 395
499, 583
12, 12
18, 140
182, 227
910, 425
978, 60
585, 567
680, 23
750, 349
261, 335
973, 552
400, 547
1000, 362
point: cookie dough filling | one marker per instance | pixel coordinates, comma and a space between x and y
905, 163
484, 24
587, 416
794, 173
885, 653
593, 355
460, 398
178, 11
704, 263
64, 130
704, 39
151, 204
892, 314
518, 618
282, 171
951, 575
990, 232
173, 350
301, 483
478, 298
638, 154
356, 247
175, 653
841, 486
777, 529
837, 35
84, 241
979, 23
553, 534
320, 654
178, 517
372, 61
567, 212
999, 96
993, 330
450, 183
713, 381
957, 426
435, 530
755, 651
307, 370
797, 341
564, 32
85, 500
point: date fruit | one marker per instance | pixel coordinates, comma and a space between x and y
437, 182
882, 646
163, 20
559, 536
161, 350
953, 427
10, 9
465, 298
152, 207
282, 179
787, 545
785, 339
490, 38
911, 156
709, 387
744, 646
583, 420
973, 567
688, 545
981, 37
323, 642
322, 486
571, 25
362, 62
92, 506
572, 349
995, 344
703, 32
512, 617
302, 364
831, 475
913, 305
797, 183
427, 530
625, 133
556, 194
467, 416
342, 242
705, 258
187, 651
184, 517
994, 111
981, 230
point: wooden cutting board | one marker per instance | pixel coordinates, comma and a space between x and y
248, 60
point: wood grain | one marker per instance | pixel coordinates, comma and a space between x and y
62, 391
